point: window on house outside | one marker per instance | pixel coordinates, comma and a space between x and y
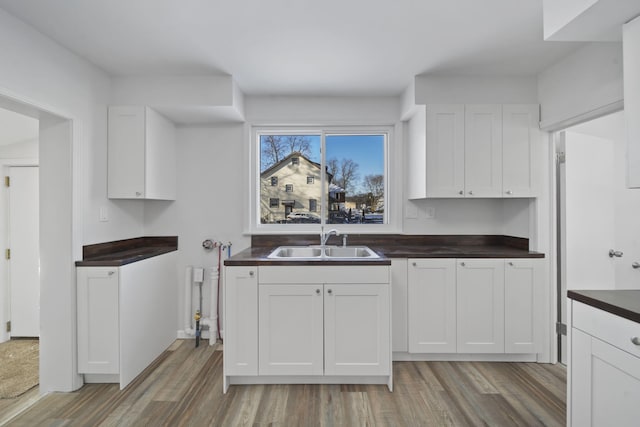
273, 202
274, 181
352, 182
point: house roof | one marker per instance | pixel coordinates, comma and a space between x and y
267, 172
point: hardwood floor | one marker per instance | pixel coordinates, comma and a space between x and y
184, 387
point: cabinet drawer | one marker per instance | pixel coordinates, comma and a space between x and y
607, 327
324, 274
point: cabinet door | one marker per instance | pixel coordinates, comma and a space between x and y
290, 329
160, 157
520, 150
483, 150
241, 321
357, 336
445, 150
480, 305
98, 321
126, 152
522, 301
605, 383
432, 305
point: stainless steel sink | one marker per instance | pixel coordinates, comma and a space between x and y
317, 252
350, 252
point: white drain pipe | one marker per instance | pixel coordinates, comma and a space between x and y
188, 326
212, 320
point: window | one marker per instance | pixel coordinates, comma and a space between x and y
273, 202
274, 181
343, 175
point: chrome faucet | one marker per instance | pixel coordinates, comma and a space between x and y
324, 237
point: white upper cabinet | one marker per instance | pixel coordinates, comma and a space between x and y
520, 150
479, 150
483, 150
631, 63
141, 157
445, 151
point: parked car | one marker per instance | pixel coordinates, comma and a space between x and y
303, 217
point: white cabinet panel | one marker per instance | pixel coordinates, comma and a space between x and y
631, 75
522, 301
483, 150
291, 329
141, 154
356, 330
400, 301
521, 144
98, 332
241, 321
432, 305
480, 306
445, 150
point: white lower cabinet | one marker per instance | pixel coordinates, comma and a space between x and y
468, 306
310, 324
604, 369
126, 317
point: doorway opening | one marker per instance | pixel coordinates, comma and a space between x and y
596, 213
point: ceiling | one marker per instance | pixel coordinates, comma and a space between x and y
301, 47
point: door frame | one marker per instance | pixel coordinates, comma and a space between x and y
60, 238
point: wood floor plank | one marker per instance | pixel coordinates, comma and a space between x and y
183, 387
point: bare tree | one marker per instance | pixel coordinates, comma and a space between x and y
346, 173
374, 185
274, 148
332, 168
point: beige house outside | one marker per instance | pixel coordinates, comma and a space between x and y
291, 185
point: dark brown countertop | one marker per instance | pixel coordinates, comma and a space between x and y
392, 246
123, 252
621, 302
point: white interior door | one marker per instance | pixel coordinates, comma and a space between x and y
24, 264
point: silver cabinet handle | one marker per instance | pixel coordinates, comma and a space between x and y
462, 264
509, 192
138, 194
251, 273
111, 273
329, 291
510, 264
461, 192
635, 264
614, 253
318, 291
635, 340
471, 192
414, 264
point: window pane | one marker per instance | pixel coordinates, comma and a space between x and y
355, 167
293, 159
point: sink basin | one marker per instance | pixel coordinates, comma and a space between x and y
316, 252
350, 252
303, 252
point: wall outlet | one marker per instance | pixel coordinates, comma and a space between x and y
430, 212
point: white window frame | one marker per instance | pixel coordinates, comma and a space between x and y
392, 174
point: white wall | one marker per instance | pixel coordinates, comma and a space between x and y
37, 71
211, 185
581, 86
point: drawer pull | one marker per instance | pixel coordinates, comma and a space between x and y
635, 340
251, 273
318, 291
414, 264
